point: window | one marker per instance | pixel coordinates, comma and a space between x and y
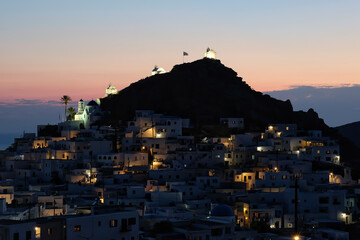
99, 223
124, 225
77, 228
28, 235
16, 236
323, 209
113, 223
49, 231
132, 221
284, 177
323, 200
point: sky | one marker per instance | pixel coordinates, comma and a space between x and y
52, 48
336, 105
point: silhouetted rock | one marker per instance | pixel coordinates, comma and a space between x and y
351, 131
204, 91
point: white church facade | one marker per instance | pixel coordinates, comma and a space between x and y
89, 113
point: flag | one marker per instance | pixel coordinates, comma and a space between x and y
185, 54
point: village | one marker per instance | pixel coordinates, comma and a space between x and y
151, 180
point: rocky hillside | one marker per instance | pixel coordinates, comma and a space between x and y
351, 131
204, 91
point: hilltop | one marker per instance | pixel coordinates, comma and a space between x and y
204, 91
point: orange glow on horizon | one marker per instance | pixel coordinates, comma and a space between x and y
91, 85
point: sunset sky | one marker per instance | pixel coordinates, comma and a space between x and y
52, 48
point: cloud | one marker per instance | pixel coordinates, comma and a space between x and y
32, 102
321, 86
23, 101
52, 102
337, 105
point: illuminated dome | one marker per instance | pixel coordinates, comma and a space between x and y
222, 210
210, 53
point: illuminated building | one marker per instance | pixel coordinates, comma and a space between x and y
110, 90
157, 70
210, 54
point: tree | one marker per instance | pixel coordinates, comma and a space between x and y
65, 100
72, 113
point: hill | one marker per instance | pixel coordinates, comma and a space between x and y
204, 91
351, 131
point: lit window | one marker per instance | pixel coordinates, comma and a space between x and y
113, 223
77, 228
37, 232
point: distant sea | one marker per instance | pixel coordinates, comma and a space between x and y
6, 139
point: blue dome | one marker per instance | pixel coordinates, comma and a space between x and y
222, 210
92, 103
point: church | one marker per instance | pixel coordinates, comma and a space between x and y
88, 114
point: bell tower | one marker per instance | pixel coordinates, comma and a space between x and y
81, 106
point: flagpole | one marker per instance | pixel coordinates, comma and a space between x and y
184, 54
